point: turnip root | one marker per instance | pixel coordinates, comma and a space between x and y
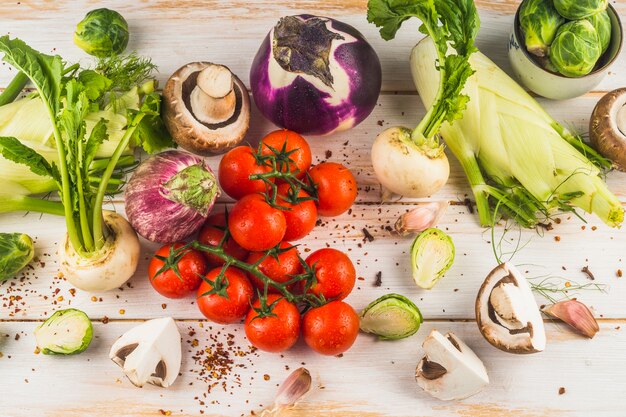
405, 168
108, 268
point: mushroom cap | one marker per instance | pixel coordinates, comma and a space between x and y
450, 370
192, 134
604, 130
507, 314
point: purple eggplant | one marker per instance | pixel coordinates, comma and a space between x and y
170, 195
315, 75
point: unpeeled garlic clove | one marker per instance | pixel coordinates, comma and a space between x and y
576, 314
297, 384
420, 218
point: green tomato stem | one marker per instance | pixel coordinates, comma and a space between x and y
14, 88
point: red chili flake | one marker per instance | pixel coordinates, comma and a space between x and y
619, 273
557, 238
266, 377
561, 391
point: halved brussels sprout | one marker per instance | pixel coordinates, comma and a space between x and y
66, 332
391, 317
539, 20
602, 23
432, 254
103, 32
579, 9
576, 48
16, 251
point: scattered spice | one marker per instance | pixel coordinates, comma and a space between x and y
380, 122
266, 377
328, 154
588, 272
368, 235
122, 311
163, 306
165, 412
105, 320
546, 226
379, 279
561, 391
94, 298
557, 238
619, 273
470, 206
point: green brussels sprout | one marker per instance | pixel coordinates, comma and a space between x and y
432, 254
391, 317
102, 33
579, 9
602, 23
66, 332
575, 49
16, 251
539, 20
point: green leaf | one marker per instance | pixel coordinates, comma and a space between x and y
95, 84
390, 14
151, 133
45, 71
13, 150
98, 135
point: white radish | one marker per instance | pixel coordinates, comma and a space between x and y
108, 268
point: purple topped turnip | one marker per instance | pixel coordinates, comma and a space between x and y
315, 75
170, 195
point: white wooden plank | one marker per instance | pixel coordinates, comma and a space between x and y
590, 371
174, 33
453, 297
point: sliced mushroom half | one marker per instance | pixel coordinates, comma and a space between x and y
206, 108
150, 353
507, 314
450, 370
607, 127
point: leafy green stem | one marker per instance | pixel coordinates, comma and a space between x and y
14, 88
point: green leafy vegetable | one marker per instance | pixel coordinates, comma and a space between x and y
391, 317
579, 9
66, 332
453, 25
103, 32
16, 251
602, 24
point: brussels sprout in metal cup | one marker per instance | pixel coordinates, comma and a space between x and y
558, 57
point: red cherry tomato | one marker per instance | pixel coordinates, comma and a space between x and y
273, 333
330, 329
300, 155
191, 266
280, 270
256, 225
232, 307
235, 170
300, 217
334, 272
336, 188
212, 234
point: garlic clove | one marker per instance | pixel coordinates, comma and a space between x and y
576, 314
420, 218
297, 384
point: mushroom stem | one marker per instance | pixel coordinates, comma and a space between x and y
213, 99
621, 119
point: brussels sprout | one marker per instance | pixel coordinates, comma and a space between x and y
602, 23
432, 254
579, 9
66, 332
16, 251
392, 316
576, 48
539, 20
102, 33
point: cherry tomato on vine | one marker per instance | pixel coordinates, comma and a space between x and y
190, 264
235, 169
280, 270
330, 329
212, 233
275, 333
334, 272
255, 225
228, 304
336, 188
300, 155
300, 217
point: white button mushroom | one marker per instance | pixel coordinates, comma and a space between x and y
150, 353
450, 370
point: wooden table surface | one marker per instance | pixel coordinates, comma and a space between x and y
373, 378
